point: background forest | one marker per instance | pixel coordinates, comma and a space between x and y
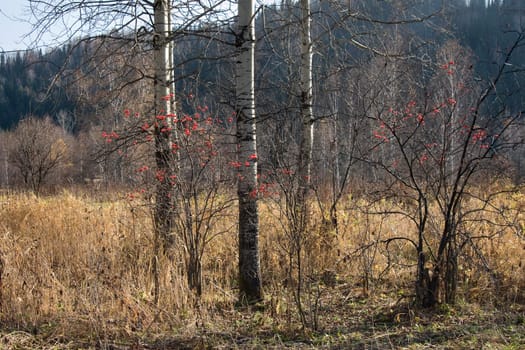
90, 98
407, 230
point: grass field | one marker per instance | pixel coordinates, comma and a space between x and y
77, 273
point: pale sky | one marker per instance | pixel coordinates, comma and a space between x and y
13, 24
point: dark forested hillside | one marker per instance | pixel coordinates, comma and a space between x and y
26, 89
26, 78
489, 32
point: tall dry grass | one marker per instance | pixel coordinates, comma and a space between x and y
77, 263
76, 266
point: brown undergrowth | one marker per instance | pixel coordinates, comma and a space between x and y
76, 272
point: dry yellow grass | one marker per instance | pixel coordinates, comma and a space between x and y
75, 267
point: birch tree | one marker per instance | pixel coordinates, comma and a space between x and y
306, 104
249, 265
306, 90
304, 160
133, 28
163, 105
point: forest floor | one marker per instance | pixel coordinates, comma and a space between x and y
358, 325
346, 323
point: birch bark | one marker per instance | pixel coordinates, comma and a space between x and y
163, 105
249, 264
307, 117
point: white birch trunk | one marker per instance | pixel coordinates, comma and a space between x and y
163, 105
306, 90
249, 265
